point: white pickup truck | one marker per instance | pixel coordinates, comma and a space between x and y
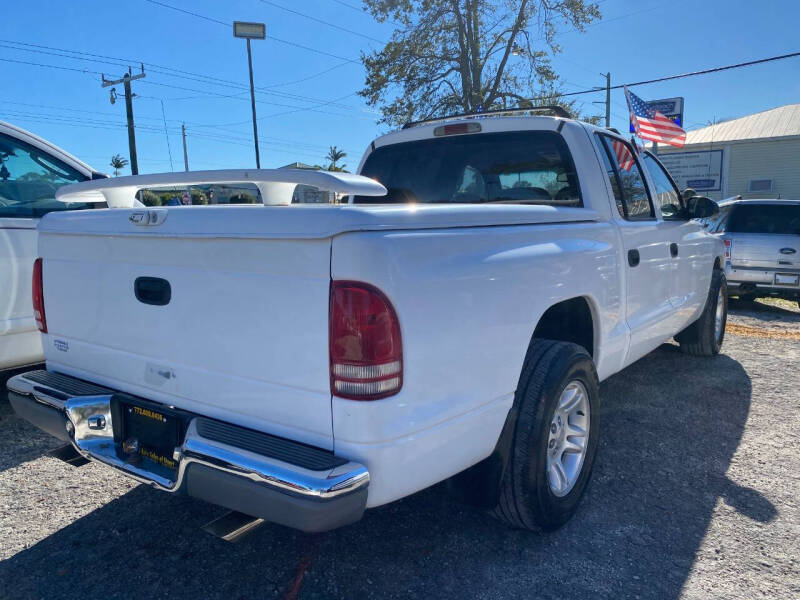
303, 363
31, 169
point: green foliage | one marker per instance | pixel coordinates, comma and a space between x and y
242, 198
452, 56
335, 155
117, 162
199, 197
151, 198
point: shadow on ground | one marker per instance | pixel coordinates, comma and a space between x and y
670, 426
765, 310
19, 440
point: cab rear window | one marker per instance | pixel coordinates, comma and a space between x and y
525, 167
765, 218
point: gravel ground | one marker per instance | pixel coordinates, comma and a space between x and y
694, 495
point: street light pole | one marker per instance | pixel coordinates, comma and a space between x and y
253, 103
251, 31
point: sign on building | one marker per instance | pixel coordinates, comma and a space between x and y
672, 108
701, 171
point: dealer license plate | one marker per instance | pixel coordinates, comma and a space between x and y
152, 434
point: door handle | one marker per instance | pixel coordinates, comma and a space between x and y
633, 257
673, 249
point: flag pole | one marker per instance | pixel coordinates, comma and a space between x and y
635, 121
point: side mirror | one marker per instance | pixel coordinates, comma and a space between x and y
700, 207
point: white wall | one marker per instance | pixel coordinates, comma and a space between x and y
776, 159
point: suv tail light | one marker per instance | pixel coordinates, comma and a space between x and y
38, 296
728, 248
366, 352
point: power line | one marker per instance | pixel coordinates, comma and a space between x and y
326, 23
682, 75
207, 79
35, 64
364, 12
213, 94
241, 141
174, 129
270, 37
189, 12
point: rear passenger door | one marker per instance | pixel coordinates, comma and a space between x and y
648, 270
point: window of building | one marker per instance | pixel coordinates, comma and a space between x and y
759, 185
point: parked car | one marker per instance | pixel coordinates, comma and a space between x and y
31, 169
762, 248
303, 363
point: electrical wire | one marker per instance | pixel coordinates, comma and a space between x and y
316, 20
61, 52
681, 76
269, 37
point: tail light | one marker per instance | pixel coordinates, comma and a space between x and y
728, 247
38, 296
366, 352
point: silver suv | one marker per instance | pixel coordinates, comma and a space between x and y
762, 248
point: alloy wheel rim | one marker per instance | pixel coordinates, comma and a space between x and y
568, 438
719, 317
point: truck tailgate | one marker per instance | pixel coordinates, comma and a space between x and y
243, 337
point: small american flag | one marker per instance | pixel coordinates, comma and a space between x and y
651, 124
624, 157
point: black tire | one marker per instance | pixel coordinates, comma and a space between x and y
700, 338
525, 499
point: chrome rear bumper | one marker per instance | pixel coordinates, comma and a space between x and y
223, 473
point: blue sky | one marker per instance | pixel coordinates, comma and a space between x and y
307, 100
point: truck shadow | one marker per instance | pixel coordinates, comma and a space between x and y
19, 440
764, 312
670, 427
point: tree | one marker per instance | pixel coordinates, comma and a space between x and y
335, 155
453, 56
117, 162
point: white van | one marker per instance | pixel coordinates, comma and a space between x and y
31, 169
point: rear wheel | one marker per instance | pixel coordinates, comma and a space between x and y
555, 437
704, 337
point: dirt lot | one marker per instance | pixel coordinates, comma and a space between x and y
696, 494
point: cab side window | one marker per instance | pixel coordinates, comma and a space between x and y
667, 195
29, 179
627, 181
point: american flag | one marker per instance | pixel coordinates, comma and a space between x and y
624, 157
652, 125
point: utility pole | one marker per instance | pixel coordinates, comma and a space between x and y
126, 81
185, 156
251, 31
608, 100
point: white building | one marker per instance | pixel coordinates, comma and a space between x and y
757, 156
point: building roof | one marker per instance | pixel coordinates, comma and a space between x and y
777, 122
299, 165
